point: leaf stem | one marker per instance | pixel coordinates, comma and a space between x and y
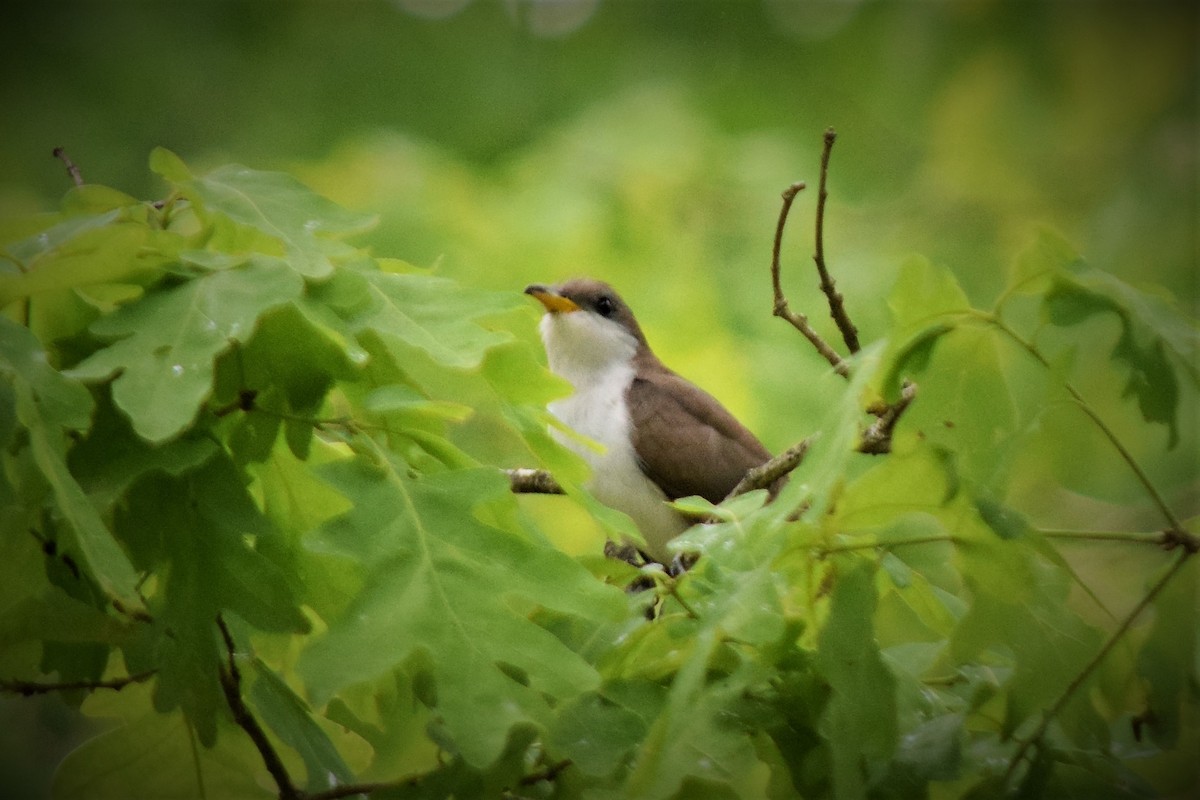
673, 590
1136, 537
851, 547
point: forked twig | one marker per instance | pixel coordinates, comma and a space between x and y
877, 439
781, 308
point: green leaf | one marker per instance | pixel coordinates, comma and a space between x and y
965, 404
697, 738
431, 314
595, 733
92, 198
406, 404
167, 342
114, 252
165, 163
55, 617
154, 757
1006, 522
1150, 330
112, 457
1169, 660
1018, 614
922, 293
60, 403
298, 356
912, 357
245, 582
441, 582
860, 719
279, 206
292, 721
1049, 255
814, 484
47, 405
197, 530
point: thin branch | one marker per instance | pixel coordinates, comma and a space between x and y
27, 688
538, 481
781, 308
761, 477
532, 481
851, 547
1085, 673
72, 170
231, 685
877, 439
837, 304
673, 591
1129, 537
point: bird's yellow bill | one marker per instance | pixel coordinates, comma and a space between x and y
554, 303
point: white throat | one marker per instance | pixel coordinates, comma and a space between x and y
584, 347
596, 356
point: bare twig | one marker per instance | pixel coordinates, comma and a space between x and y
763, 476
72, 170
532, 481
27, 688
781, 308
877, 439
837, 305
231, 685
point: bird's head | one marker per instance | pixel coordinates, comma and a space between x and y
587, 326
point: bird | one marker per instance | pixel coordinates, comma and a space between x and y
661, 436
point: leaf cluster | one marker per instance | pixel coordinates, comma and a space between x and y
259, 469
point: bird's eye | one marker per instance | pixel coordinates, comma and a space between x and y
604, 306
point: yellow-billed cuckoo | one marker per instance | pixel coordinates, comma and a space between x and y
663, 437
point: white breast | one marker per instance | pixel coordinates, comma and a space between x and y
597, 410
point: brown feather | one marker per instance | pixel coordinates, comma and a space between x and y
686, 441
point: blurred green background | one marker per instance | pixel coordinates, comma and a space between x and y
646, 143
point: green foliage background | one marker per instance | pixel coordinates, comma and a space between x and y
646, 146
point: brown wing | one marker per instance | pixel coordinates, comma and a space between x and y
686, 441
